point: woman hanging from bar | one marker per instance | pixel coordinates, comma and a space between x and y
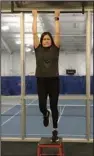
47, 73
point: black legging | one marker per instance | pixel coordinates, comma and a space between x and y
45, 87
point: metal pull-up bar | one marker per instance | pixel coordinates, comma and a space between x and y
20, 8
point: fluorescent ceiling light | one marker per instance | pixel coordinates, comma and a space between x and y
39, 35
5, 28
14, 24
28, 49
25, 36
28, 35
33, 51
29, 17
17, 35
27, 41
13, 19
27, 45
18, 42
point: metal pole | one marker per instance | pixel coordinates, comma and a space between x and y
45, 10
88, 54
23, 109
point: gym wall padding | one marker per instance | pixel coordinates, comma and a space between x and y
11, 85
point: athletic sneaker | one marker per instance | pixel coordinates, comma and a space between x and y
55, 136
46, 119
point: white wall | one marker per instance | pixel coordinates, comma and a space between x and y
11, 65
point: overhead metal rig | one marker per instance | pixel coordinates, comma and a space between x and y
46, 7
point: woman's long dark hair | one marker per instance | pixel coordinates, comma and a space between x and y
46, 33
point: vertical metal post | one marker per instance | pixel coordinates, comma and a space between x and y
0, 83
88, 55
23, 109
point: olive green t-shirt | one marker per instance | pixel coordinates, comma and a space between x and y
47, 61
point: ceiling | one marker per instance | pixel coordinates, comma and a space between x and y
73, 31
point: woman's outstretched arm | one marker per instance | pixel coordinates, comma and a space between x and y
57, 28
34, 29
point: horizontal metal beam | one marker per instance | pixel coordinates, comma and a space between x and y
82, 140
45, 10
27, 6
64, 97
